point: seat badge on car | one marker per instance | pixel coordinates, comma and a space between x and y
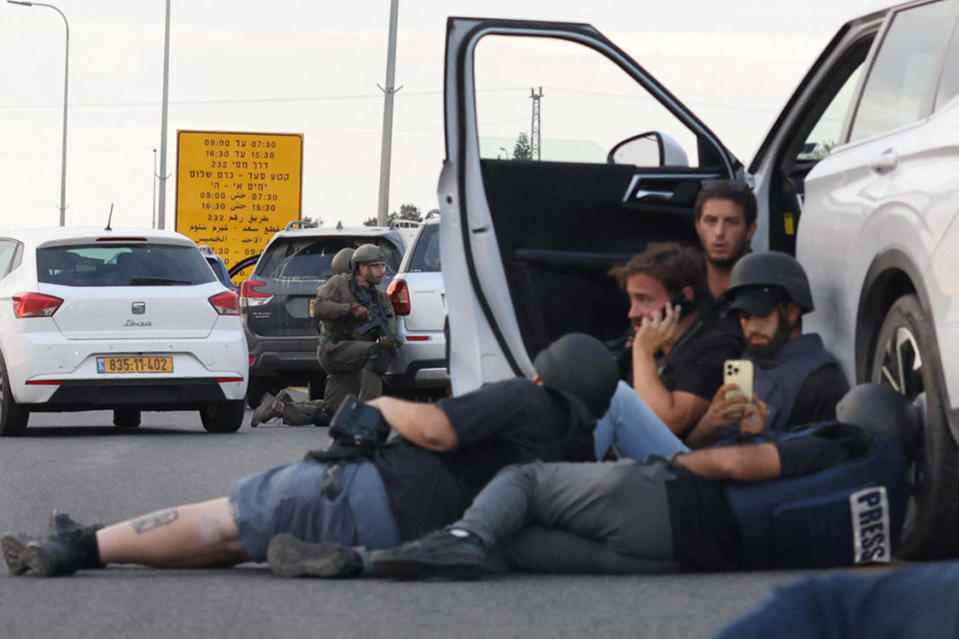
138, 308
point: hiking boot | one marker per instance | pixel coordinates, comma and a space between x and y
290, 557
43, 558
321, 417
451, 553
61, 527
269, 408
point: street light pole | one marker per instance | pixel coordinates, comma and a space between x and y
161, 206
66, 77
388, 92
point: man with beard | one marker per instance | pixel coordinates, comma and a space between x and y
354, 362
725, 215
796, 380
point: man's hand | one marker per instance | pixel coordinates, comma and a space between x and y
385, 342
658, 332
360, 312
729, 405
754, 421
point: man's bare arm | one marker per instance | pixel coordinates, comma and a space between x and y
757, 462
425, 425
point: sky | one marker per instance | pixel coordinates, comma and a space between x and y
314, 66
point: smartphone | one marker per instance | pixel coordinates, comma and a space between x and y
685, 304
739, 372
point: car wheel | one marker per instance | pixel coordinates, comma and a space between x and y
126, 417
317, 386
222, 417
13, 417
907, 359
255, 389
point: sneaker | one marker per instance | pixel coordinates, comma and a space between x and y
269, 408
451, 553
290, 557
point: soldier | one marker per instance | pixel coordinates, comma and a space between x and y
353, 350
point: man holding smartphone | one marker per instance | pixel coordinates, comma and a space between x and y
676, 352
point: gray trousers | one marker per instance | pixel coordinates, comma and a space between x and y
599, 518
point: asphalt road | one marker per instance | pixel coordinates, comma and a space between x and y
79, 463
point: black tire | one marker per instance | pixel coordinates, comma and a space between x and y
13, 417
126, 417
906, 357
223, 417
317, 386
255, 389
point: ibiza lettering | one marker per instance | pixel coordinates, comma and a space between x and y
135, 323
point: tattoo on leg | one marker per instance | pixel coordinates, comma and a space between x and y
154, 520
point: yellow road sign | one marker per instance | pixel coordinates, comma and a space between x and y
235, 190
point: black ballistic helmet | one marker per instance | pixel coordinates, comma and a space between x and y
880, 409
365, 253
758, 271
582, 366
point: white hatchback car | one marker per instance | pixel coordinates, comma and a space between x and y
862, 161
124, 319
419, 301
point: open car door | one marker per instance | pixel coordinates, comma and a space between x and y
533, 222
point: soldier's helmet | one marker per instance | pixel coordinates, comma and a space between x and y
366, 253
341, 261
759, 280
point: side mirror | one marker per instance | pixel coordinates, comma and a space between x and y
652, 148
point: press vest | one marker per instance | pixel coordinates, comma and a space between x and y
849, 514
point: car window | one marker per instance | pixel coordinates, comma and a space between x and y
8, 252
560, 119
312, 257
825, 134
122, 265
900, 83
426, 253
949, 78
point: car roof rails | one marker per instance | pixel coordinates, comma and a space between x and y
404, 224
206, 250
300, 224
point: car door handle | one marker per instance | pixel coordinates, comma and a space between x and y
642, 194
885, 162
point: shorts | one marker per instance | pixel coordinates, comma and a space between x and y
287, 499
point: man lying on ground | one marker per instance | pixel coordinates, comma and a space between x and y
375, 496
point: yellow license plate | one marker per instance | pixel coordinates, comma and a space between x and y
135, 364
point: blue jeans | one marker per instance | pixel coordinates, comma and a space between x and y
636, 431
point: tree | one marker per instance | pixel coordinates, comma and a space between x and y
522, 149
407, 212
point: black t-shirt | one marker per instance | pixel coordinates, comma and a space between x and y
510, 422
705, 531
695, 363
818, 396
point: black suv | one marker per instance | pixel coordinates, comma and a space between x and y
275, 301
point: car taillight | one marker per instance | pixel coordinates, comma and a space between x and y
35, 305
226, 303
249, 296
399, 294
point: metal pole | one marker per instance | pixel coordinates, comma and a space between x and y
66, 78
161, 207
388, 93
153, 222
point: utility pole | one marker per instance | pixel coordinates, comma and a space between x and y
534, 130
388, 92
155, 176
161, 207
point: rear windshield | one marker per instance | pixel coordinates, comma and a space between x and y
122, 265
426, 253
310, 258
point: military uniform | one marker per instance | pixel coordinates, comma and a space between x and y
344, 353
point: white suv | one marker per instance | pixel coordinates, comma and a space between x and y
862, 161
124, 319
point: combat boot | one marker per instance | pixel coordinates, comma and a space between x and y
61, 527
270, 407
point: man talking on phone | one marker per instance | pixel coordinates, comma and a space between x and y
796, 380
676, 352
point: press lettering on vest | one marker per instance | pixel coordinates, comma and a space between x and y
869, 510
